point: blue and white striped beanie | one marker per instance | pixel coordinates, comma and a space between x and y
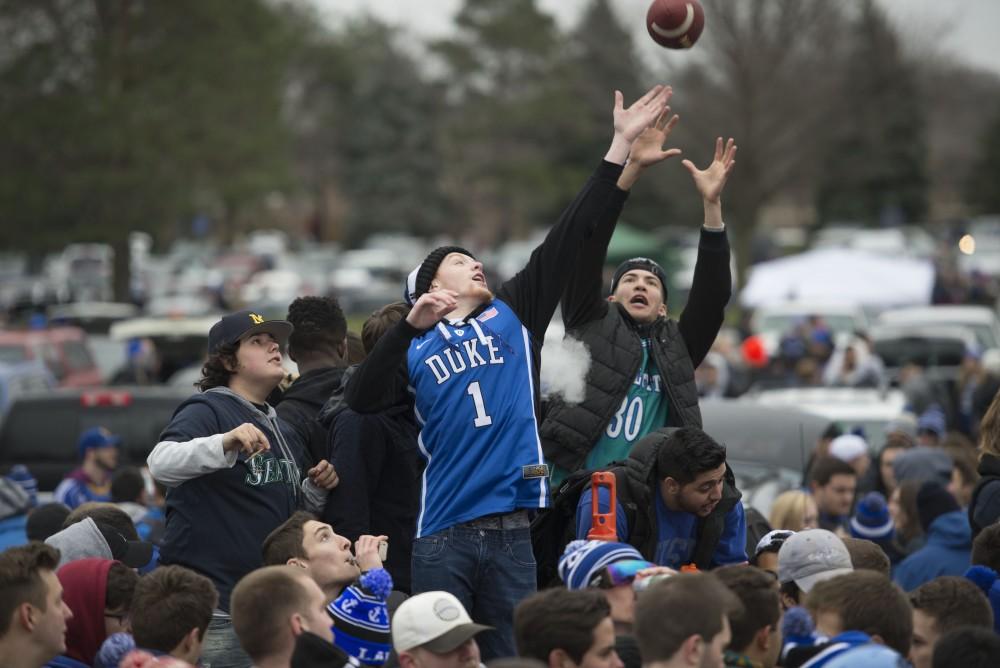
583, 560
361, 618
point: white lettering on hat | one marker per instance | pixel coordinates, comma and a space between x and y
446, 610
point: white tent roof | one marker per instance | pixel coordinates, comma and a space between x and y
840, 275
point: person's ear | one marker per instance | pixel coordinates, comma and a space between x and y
692, 650
611, 298
297, 624
877, 639
558, 658
26, 616
787, 601
295, 561
663, 309
342, 349
406, 660
190, 640
671, 485
762, 639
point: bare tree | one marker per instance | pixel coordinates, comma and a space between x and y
769, 80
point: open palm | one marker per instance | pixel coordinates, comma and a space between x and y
647, 149
631, 121
711, 180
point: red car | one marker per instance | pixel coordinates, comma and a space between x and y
63, 349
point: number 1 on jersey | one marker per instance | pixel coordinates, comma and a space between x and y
482, 419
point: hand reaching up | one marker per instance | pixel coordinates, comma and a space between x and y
712, 179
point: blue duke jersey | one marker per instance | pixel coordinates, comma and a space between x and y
473, 387
474, 383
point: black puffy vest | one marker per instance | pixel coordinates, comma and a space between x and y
570, 431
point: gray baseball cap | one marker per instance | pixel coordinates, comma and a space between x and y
812, 556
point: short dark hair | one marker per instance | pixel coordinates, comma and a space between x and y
219, 368
826, 467
952, 602
20, 580
758, 592
867, 601
791, 590
121, 585
285, 542
967, 647
261, 604
167, 604
104, 513
45, 520
986, 548
127, 484
381, 321
866, 554
559, 619
320, 325
687, 452
660, 631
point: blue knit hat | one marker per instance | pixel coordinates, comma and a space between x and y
20, 474
871, 520
113, 650
361, 618
96, 437
583, 560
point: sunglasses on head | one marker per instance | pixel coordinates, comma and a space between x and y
619, 573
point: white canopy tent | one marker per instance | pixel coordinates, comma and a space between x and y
840, 275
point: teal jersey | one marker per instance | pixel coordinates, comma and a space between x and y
643, 410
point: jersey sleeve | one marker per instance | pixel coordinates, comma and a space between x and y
732, 548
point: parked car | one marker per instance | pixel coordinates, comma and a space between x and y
41, 428
767, 447
938, 348
21, 378
850, 408
983, 321
64, 350
180, 342
773, 321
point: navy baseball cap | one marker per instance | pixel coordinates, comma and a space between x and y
96, 437
241, 324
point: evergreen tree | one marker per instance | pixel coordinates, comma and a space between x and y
875, 169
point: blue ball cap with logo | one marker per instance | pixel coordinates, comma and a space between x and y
96, 437
241, 324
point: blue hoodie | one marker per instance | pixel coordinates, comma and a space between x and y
949, 543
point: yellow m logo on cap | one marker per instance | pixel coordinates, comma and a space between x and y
257, 319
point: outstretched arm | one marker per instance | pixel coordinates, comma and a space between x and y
584, 300
712, 285
535, 291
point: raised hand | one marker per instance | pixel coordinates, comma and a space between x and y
647, 149
323, 475
712, 179
431, 307
631, 121
247, 438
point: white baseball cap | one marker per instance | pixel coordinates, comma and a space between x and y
848, 447
435, 620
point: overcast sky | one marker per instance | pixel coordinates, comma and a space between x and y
965, 29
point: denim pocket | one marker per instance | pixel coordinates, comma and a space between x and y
428, 547
520, 553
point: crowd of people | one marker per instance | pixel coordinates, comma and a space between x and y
400, 511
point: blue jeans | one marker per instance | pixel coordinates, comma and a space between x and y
221, 648
489, 570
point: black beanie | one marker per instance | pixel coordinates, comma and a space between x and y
640, 263
933, 500
419, 280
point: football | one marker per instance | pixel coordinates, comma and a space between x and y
675, 24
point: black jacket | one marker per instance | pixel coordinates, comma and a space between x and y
614, 341
643, 482
984, 509
301, 403
379, 466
